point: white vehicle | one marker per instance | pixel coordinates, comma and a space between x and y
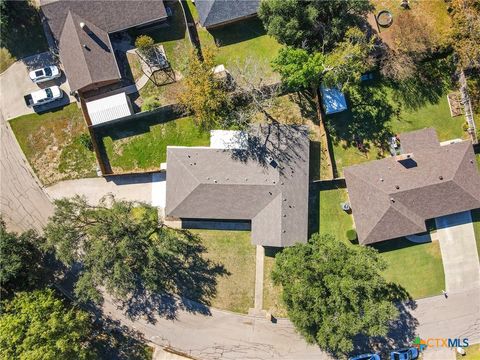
43, 96
45, 74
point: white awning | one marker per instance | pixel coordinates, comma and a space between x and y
333, 100
109, 108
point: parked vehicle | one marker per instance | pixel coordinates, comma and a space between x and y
43, 96
366, 357
404, 354
45, 74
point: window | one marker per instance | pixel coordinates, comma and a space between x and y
49, 93
48, 72
39, 73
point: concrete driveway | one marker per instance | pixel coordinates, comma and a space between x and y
459, 251
15, 83
148, 188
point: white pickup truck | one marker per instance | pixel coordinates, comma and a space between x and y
43, 96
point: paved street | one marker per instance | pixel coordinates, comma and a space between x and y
459, 253
23, 204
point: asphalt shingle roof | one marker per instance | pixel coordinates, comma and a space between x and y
392, 198
206, 183
216, 12
88, 57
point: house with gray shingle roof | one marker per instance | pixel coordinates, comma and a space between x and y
393, 197
215, 13
265, 183
82, 32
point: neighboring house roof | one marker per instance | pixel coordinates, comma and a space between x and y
87, 56
217, 12
267, 184
393, 197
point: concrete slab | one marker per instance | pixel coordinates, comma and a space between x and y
15, 83
459, 251
126, 187
259, 269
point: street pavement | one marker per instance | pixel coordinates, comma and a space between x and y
459, 252
23, 203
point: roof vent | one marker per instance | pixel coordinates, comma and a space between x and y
397, 187
392, 200
440, 177
215, 181
82, 25
381, 179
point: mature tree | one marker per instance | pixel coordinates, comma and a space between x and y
344, 65
334, 292
203, 94
314, 24
466, 31
21, 260
123, 249
37, 325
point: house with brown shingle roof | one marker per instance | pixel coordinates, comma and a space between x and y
82, 30
393, 197
265, 183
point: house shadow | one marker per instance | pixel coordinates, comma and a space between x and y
238, 32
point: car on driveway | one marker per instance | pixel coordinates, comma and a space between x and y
43, 96
45, 74
404, 354
366, 357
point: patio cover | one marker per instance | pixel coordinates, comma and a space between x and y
333, 100
109, 108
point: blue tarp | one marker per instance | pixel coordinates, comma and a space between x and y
333, 100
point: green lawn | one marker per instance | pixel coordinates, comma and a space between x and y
51, 143
240, 43
381, 111
473, 353
405, 260
142, 144
234, 250
476, 227
23, 36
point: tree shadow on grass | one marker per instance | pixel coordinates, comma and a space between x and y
188, 283
365, 121
428, 85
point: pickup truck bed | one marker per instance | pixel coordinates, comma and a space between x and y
28, 100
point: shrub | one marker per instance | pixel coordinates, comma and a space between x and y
351, 235
465, 126
6, 59
150, 104
86, 141
144, 43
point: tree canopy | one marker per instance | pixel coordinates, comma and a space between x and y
466, 31
21, 260
311, 24
203, 94
334, 292
37, 325
123, 248
300, 69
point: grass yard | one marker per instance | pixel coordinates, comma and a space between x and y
234, 250
378, 110
164, 94
244, 42
272, 295
142, 145
135, 66
473, 353
476, 228
416, 267
52, 144
23, 35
